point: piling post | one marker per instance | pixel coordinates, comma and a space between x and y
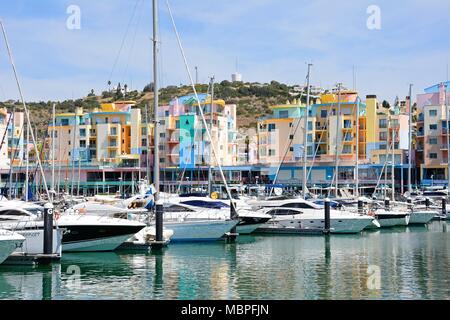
327, 216
48, 228
444, 206
360, 206
234, 216
387, 203
159, 221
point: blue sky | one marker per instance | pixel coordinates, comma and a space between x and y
272, 40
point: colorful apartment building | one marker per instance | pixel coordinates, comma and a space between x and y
432, 133
184, 140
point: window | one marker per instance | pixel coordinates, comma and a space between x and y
113, 131
272, 127
383, 136
283, 114
290, 124
144, 131
323, 113
291, 149
82, 132
433, 126
177, 124
347, 149
271, 152
433, 155
310, 125
433, 140
291, 137
383, 146
167, 113
64, 122
82, 143
144, 142
70, 142
162, 135
382, 123
433, 113
162, 122
310, 138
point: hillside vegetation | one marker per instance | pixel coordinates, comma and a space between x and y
252, 99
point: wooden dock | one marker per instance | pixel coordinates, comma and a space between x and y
31, 259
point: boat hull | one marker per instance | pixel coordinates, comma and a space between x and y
338, 226
388, 221
9, 245
249, 225
85, 238
421, 217
199, 231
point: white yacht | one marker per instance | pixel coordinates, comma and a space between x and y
249, 219
191, 224
311, 215
9, 242
181, 223
345, 223
390, 218
81, 233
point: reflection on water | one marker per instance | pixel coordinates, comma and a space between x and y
413, 263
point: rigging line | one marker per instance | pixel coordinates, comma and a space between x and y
130, 53
289, 144
123, 40
199, 105
23, 102
341, 148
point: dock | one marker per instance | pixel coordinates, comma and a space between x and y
31, 259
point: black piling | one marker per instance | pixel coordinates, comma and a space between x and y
159, 222
427, 202
360, 206
327, 209
387, 204
444, 207
48, 229
234, 216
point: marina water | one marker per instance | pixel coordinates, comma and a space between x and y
400, 263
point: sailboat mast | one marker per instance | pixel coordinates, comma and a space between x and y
393, 159
27, 162
13, 130
410, 141
156, 99
338, 140
448, 134
357, 148
305, 132
53, 148
210, 129
147, 130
